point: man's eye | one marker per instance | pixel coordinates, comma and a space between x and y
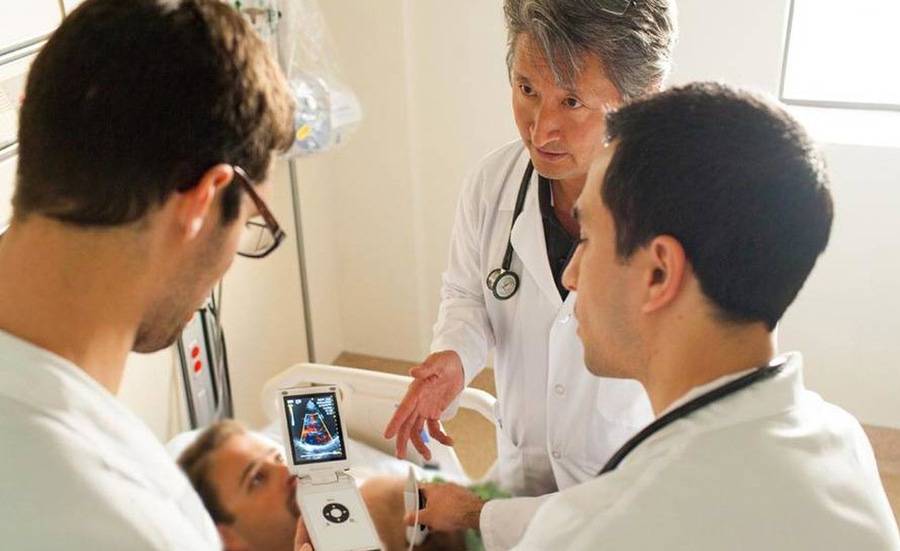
572, 102
526, 89
258, 479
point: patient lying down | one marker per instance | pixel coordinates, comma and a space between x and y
249, 493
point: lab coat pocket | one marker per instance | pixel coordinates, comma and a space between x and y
508, 471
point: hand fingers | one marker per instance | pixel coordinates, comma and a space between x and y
405, 410
416, 438
403, 435
436, 430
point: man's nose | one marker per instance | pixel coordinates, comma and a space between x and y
545, 124
570, 275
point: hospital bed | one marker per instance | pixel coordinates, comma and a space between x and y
368, 399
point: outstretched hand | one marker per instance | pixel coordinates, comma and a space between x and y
437, 381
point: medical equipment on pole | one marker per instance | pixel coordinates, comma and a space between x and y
327, 111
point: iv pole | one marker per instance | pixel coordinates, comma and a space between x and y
301, 261
282, 56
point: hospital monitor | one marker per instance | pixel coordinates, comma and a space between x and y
314, 429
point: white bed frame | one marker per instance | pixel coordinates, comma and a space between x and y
368, 399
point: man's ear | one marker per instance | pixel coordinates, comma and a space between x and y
193, 204
665, 272
231, 541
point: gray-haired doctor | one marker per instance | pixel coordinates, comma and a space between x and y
570, 62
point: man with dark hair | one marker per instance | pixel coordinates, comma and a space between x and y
249, 491
569, 62
145, 140
700, 222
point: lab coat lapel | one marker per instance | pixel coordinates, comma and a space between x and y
530, 246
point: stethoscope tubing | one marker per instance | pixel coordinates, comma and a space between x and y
502, 281
690, 407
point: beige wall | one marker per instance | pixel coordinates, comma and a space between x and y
845, 320
432, 82
377, 212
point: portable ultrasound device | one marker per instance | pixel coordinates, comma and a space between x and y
316, 435
414, 501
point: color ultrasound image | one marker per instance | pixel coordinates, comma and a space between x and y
315, 427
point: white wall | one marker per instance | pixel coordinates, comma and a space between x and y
844, 320
377, 212
432, 81
460, 110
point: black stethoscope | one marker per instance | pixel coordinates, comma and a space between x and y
502, 281
686, 409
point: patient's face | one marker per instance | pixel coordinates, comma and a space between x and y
255, 486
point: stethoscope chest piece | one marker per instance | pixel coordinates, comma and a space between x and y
502, 283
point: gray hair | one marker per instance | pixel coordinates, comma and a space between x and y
635, 48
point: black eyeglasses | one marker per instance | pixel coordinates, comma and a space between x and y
261, 234
616, 7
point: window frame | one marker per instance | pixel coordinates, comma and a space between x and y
820, 103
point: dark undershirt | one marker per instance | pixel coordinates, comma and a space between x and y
560, 245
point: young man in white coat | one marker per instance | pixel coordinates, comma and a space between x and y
570, 61
145, 140
700, 223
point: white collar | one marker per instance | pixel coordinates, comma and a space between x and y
792, 370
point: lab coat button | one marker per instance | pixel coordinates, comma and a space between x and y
565, 319
556, 454
560, 390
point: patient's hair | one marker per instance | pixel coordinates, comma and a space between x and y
195, 461
735, 180
635, 48
129, 102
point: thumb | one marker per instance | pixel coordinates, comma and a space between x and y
425, 370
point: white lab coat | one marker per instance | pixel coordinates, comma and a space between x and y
772, 467
78, 471
559, 424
